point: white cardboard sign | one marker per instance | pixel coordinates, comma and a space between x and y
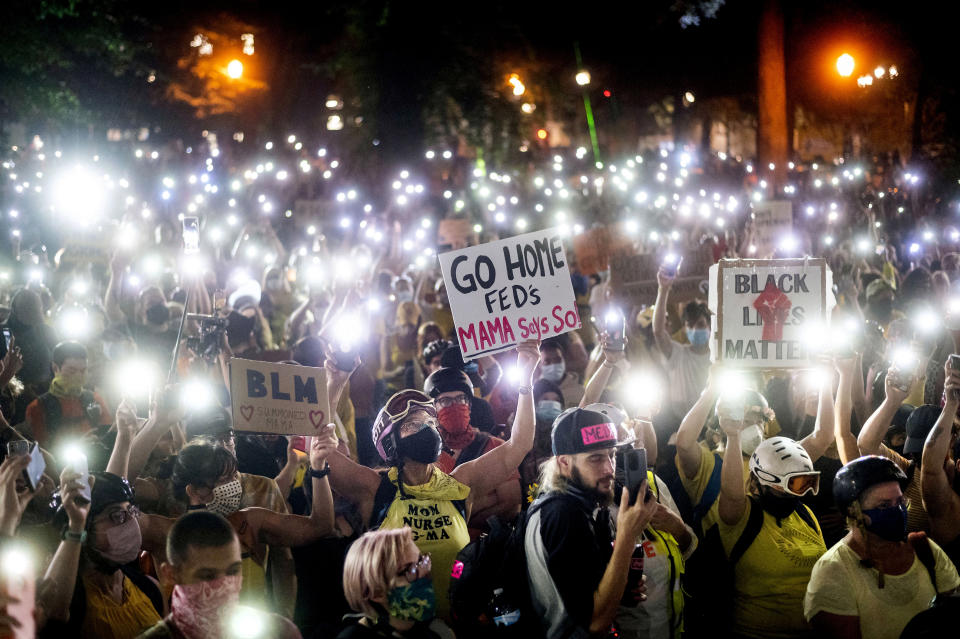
766, 313
772, 221
511, 290
283, 399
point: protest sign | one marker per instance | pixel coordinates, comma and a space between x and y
456, 233
283, 399
635, 276
772, 221
507, 291
765, 312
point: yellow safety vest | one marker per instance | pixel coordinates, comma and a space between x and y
666, 545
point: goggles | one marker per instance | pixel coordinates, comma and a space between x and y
799, 484
405, 402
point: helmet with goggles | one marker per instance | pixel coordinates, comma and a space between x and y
780, 462
386, 429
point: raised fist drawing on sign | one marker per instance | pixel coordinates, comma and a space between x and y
773, 306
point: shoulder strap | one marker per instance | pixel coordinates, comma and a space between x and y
921, 546
381, 501
146, 586
474, 449
807, 515
750, 532
710, 493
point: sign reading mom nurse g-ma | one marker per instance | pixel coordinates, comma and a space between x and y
511, 290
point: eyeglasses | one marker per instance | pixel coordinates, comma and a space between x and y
409, 428
413, 571
120, 517
800, 484
444, 402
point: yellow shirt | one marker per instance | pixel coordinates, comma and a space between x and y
698, 485
839, 585
771, 578
917, 518
107, 619
437, 526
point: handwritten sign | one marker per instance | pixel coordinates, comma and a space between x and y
283, 399
767, 313
772, 221
635, 276
507, 291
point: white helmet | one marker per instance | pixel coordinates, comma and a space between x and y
783, 463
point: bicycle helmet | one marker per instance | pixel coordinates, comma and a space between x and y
385, 436
444, 380
856, 477
783, 463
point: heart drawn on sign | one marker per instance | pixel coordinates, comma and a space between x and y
316, 418
247, 412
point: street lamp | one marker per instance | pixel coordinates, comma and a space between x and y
845, 64
235, 69
583, 77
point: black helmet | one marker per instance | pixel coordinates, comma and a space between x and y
107, 489
862, 473
444, 380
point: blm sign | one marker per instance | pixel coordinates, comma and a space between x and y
765, 311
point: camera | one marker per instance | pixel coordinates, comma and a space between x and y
212, 330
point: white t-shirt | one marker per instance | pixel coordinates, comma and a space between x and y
687, 374
839, 585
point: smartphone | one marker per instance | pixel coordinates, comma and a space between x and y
35, 468
733, 408
17, 579
78, 463
954, 362
344, 359
634, 471
671, 265
299, 443
615, 326
7, 336
191, 234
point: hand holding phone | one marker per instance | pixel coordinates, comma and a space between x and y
191, 234
615, 330
634, 471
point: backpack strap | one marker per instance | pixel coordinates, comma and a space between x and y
381, 501
710, 493
474, 449
146, 586
750, 532
807, 515
921, 546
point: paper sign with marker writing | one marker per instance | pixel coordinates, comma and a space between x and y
283, 399
511, 290
769, 313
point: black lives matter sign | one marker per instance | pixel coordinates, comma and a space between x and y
766, 311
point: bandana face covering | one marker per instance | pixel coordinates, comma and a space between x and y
197, 609
226, 498
455, 424
413, 602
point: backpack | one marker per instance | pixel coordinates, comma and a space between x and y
495, 560
711, 588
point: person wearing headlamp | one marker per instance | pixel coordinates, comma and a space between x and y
874, 581
414, 491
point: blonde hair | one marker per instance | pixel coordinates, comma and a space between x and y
550, 478
371, 566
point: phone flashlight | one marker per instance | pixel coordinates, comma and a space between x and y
615, 327
77, 462
17, 578
671, 264
191, 234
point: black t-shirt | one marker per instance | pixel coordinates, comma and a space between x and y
578, 548
357, 630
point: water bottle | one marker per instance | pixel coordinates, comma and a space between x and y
504, 612
634, 577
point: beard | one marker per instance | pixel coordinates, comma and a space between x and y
604, 496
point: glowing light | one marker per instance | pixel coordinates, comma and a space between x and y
879, 72
845, 65
542, 134
518, 87
582, 77
689, 98
235, 69
528, 107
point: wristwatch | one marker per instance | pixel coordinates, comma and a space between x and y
79, 537
320, 474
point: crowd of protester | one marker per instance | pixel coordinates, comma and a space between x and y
778, 504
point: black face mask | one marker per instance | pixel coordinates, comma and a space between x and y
158, 314
779, 507
423, 446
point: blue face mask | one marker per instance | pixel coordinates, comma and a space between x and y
698, 336
413, 602
888, 523
548, 409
